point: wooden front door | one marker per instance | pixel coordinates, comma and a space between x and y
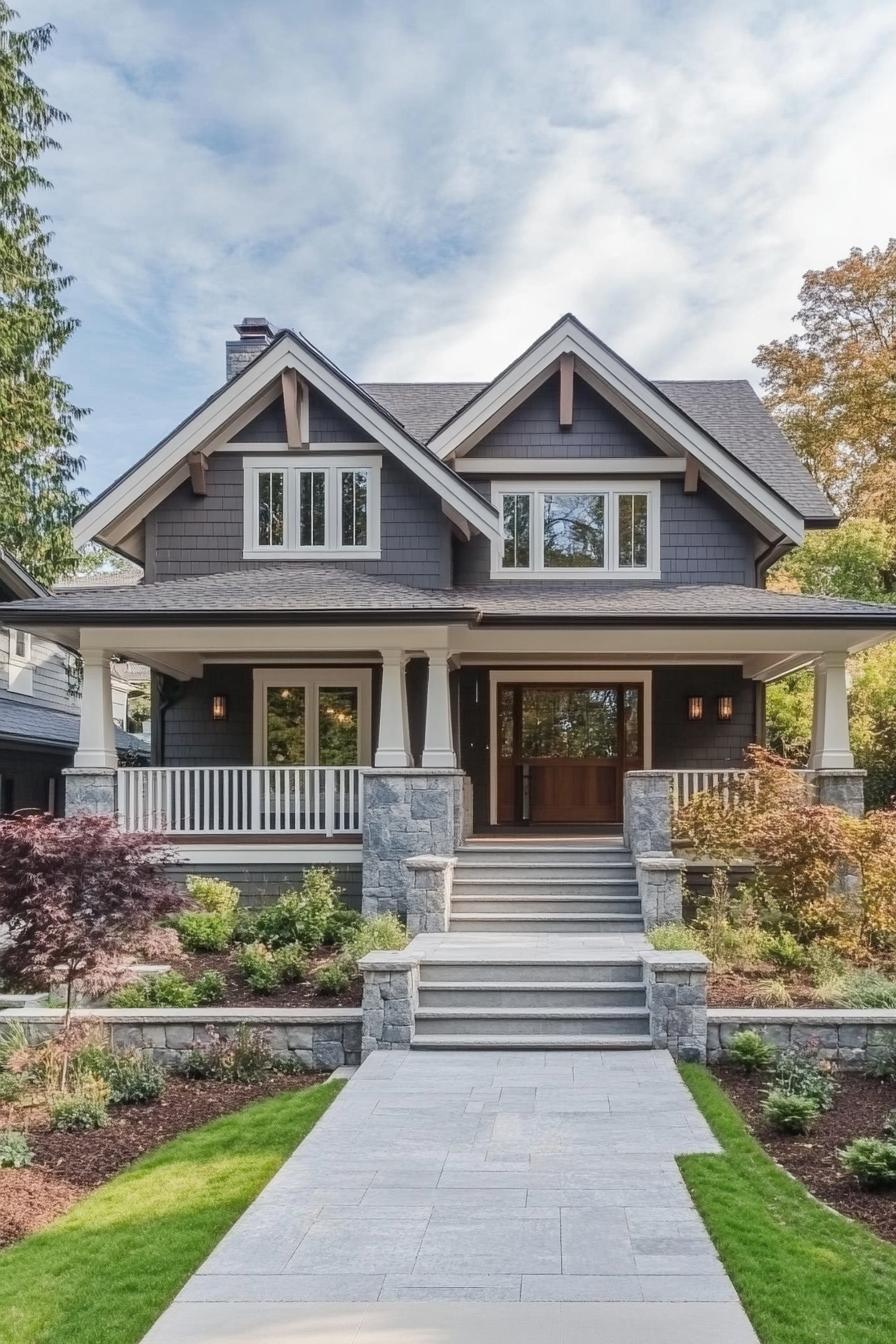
563, 750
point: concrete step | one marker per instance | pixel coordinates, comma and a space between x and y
426, 1041
623, 871
479, 994
545, 923
528, 853
587, 971
534, 1022
559, 904
524, 884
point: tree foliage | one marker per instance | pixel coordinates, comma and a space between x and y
856, 560
38, 501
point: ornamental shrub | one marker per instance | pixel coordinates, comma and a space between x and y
300, 916
675, 938
290, 964
213, 895
245, 1058
15, 1150
382, 933
871, 1161
881, 1063
790, 1112
800, 1073
205, 931
785, 951
84, 1107
169, 990
341, 926
334, 978
888, 1128
210, 987
12, 1085
257, 967
750, 1051
771, 994
129, 1076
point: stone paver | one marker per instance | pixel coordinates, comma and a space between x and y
529, 1192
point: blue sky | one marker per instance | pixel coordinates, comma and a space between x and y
423, 188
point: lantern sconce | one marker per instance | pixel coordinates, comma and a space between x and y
219, 708
695, 707
725, 708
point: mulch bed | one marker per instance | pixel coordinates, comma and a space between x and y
239, 995
859, 1111
68, 1166
736, 989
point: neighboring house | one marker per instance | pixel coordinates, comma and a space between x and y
39, 699
545, 582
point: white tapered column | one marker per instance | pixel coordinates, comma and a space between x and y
393, 740
830, 718
96, 742
438, 748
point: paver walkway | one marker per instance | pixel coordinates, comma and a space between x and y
466, 1196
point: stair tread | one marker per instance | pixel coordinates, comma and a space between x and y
578, 986
540, 918
578, 1013
633, 1042
544, 881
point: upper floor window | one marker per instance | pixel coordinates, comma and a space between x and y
21, 673
326, 507
578, 530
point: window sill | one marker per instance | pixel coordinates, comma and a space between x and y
614, 575
318, 553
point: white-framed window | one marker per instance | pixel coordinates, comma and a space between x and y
325, 507
21, 672
306, 716
577, 529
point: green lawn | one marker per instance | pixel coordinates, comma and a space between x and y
804, 1274
103, 1272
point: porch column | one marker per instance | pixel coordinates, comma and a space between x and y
96, 741
438, 749
393, 740
830, 719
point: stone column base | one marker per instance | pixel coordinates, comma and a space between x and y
91, 791
647, 811
676, 1000
429, 897
841, 788
389, 1003
407, 814
660, 889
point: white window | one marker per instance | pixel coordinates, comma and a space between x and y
308, 717
21, 673
325, 507
569, 529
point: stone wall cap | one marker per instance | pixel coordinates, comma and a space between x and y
660, 863
832, 772
203, 1016
649, 774
429, 862
104, 770
822, 1017
417, 772
673, 961
404, 960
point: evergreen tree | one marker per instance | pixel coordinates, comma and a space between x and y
38, 501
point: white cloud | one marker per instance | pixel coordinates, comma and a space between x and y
423, 189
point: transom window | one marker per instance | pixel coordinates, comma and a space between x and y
578, 530
327, 507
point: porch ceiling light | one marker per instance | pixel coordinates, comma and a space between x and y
219, 707
695, 707
725, 707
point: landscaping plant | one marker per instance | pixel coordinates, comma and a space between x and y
257, 967
213, 895
675, 938
291, 964
15, 1151
800, 1073
771, 994
205, 931
11, 1087
382, 933
881, 1063
170, 990
300, 916
84, 1107
129, 1077
334, 978
244, 1058
790, 1112
889, 1127
750, 1051
871, 1161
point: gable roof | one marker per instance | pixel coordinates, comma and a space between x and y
16, 578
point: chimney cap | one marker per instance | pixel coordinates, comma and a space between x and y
254, 329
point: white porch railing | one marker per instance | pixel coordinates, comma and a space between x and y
242, 800
686, 783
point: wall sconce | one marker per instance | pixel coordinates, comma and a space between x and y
695, 707
725, 707
219, 708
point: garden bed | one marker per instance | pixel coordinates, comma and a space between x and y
68, 1165
860, 1108
747, 987
238, 994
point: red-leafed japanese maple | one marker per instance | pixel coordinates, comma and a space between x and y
76, 894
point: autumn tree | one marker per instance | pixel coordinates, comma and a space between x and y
38, 501
832, 384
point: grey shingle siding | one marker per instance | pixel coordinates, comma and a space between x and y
49, 681
27, 771
190, 535
188, 735
327, 424
679, 744
532, 430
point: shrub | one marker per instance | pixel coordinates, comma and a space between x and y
15, 1151
750, 1051
888, 1128
871, 1161
334, 978
341, 926
790, 1112
85, 1107
799, 1073
300, 916
882, 1063
213, 894
209, 987
784, 950
245, 928
382, 933
13, 1041
246, 1058
131, 1078
675, 938
290, 964
771, 994
169, 990
257, 967
12, 1085
867, 989
205, 931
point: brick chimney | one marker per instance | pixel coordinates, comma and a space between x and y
254, 334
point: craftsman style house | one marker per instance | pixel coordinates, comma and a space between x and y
531, 586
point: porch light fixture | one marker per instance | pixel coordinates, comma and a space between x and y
695, 707
219, 708
725, 707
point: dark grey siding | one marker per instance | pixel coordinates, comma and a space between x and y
532, 430
187, 734
702, 540
203, 534
25, 775
326, 423
679, 744
262, 883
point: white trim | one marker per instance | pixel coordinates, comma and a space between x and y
122, 504
635, 398
581, 676
312, 681
241, 854
24, 658
571, 466
291, 466
611, 490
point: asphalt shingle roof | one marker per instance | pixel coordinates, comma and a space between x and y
52, 727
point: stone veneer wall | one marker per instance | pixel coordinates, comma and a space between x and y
849, 1037
407, 813
316, 1039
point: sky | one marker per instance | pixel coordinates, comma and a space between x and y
422, 188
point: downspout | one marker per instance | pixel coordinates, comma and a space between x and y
168, 692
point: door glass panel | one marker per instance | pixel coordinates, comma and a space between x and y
632, 722
575, 723
574, 531
505, 722
337, 718
285, 725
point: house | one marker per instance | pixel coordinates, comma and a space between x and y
386, 616
39, 698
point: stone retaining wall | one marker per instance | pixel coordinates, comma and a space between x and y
849, 1037
316, 1039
